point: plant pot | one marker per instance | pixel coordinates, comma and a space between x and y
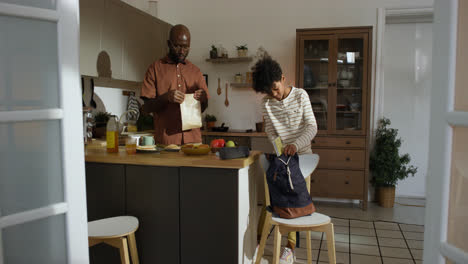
242, 53
213, 54
210, 125
99, 132
386, 196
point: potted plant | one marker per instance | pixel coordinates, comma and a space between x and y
242, 50
386, 163
100, 123
210, 121
213, 52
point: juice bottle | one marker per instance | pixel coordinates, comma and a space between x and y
112, 135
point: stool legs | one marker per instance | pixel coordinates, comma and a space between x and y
133, 248
261, 247
331, 243
277, 245
309, 248
123, 248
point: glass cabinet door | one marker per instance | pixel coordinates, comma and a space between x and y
350, 91
315, 76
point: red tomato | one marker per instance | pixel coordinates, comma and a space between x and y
217, 143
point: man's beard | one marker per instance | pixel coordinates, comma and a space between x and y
175, 58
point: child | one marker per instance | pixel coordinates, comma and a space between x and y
288, 114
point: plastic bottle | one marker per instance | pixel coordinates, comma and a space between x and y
112, 135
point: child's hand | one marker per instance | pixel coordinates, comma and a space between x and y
290, 150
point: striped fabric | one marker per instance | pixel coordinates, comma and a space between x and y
133, 107
291, 119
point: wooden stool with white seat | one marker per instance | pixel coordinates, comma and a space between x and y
118, 232
314, 222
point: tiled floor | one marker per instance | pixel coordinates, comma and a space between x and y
363, 242
377, 235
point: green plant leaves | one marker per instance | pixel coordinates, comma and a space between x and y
386, 163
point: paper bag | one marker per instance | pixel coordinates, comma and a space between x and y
190, 111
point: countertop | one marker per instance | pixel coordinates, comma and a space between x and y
168, 159
234, 134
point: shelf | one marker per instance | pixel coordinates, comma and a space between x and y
317, 60
230, 60
316, 88
241, 85
348, 112
350, 88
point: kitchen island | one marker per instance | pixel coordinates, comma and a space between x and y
192, 209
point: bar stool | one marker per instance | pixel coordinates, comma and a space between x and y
314, 222
118, 232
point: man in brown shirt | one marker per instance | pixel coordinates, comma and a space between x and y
164, 87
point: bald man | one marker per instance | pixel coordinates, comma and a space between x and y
164, 87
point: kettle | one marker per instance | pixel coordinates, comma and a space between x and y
129, 126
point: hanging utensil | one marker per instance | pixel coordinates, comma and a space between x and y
226, 102
93, 103
219, 86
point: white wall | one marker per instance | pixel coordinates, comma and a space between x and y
270, 23
408, 75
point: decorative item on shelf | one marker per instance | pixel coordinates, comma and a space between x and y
260, 127
210, 121
386, 163
248, 77
238, 78
242, 50
213, 52
261, 53
222, 52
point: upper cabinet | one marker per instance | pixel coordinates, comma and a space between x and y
118, 40
333, 67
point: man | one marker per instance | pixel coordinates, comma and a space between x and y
164, 87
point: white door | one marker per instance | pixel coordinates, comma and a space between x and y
446, 234
42, 180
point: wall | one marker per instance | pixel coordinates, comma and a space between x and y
408, 82
270, 23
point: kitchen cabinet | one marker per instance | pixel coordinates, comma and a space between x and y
152, 194
334, 67
132, 38
183, 203
105, 197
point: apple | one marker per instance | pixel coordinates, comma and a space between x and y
230, 144
217, 143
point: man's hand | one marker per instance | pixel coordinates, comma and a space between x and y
200, 95
290, 150
175, 96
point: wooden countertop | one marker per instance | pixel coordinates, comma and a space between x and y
234, 134
168, 159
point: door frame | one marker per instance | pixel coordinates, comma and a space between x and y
69, 112
443, 119
396, 15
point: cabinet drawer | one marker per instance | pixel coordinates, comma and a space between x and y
341, 142
337, 183
341, 158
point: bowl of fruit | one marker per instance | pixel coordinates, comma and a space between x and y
195, 149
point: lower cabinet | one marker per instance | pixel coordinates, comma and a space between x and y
152, 195
105, 197
186, 215
208, 215
343, 168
